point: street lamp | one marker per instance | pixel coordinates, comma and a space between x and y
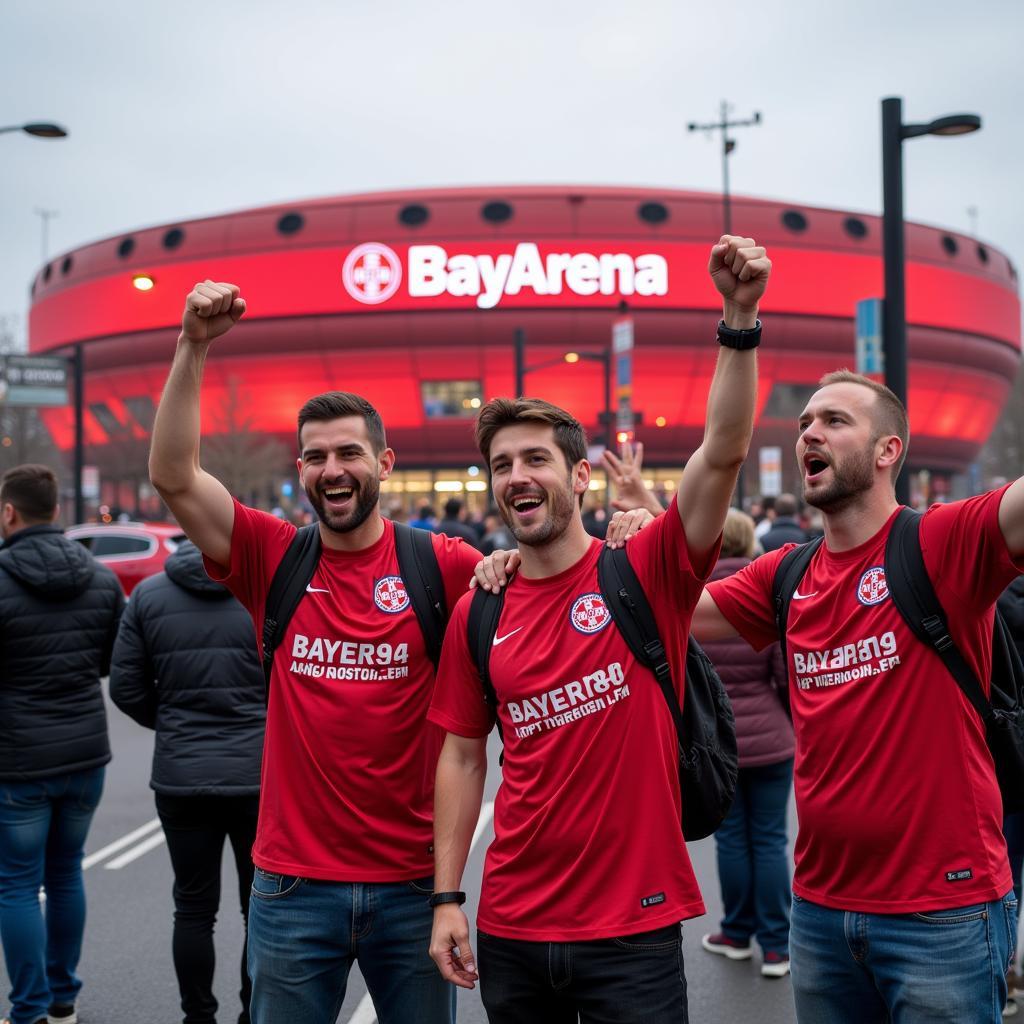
41, 129
604, 357
894, 319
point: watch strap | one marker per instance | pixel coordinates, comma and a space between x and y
745, 339
447, 897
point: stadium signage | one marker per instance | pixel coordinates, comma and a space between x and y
372, 273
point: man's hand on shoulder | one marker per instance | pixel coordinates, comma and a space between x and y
211, 309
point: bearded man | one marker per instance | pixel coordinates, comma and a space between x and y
903, 907
588, 877
343, 849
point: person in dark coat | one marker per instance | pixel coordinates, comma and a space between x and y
59, 610
454, 523
785, 528
753, 865
186, 664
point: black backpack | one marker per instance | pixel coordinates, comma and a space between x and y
708, 761
914, 596
417, 565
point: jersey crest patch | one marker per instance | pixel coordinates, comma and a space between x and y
589, 614
872, 588
390, 595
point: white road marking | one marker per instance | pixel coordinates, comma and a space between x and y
364, 1013
136, 851
120, 844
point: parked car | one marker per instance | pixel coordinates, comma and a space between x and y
132, 550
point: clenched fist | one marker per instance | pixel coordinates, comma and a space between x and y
740, 269
211, 309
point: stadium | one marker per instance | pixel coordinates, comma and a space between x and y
415, 299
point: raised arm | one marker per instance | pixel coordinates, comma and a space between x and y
739, 269
458, 793
1011, 518
200, 502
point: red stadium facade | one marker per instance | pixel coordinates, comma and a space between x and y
413, 299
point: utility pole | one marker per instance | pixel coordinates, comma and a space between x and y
723, 124
45, 217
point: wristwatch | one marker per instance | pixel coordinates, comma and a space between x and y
447, 897
732, 338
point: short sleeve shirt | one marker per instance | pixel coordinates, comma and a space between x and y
349, 758
588, 843
895, 788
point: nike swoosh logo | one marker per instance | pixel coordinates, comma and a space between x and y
502, 639
315, 590
797, 596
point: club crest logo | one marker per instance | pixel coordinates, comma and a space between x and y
371, 273
390, 595
589, 614
872, 588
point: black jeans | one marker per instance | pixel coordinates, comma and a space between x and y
196, 827
633, 979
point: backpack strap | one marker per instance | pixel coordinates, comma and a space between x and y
291, 578
417, 564
788, 574
481, 628
631, 613
914, 596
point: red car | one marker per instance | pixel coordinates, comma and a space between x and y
132, 550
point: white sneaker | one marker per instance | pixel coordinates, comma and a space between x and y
775, 965
1010, 1009
63, 1015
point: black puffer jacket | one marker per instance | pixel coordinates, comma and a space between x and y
59, 610
185, 664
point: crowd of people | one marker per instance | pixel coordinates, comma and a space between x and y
348, 769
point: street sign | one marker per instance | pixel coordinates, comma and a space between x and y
622, 349
91, 483
33, 380
770, 464
870, 356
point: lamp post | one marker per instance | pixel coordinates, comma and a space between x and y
40, 129
604, 357
894, 320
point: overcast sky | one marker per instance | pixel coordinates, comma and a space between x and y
183, 109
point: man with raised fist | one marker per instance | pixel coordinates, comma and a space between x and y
343, 849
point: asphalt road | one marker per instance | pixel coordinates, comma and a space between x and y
126, 963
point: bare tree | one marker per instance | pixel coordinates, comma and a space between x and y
247, 461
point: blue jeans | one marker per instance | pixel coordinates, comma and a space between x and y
43, 825
304, 936
753, 867
630, 978
938, 967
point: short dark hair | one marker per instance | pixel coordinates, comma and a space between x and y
333, 405
452, 508
786, 505
32, 490
570, 436
889, 413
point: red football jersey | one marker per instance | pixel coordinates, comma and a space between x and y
586, 823
348, 762
895, 788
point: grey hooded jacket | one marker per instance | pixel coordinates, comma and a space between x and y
186, 664
59, 610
